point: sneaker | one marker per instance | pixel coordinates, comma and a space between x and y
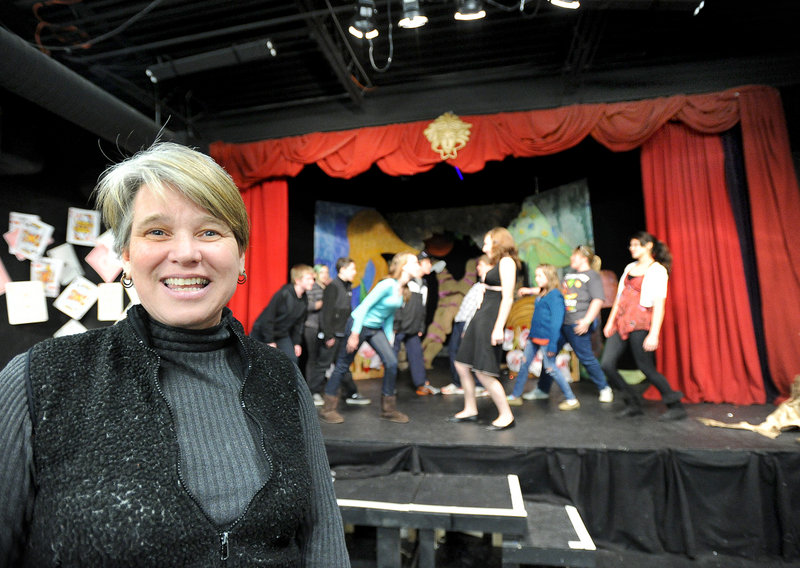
357, 399
318, 401
514, 400
536, 394
606, 395
571, 404
426, 389
452, 389
481, 392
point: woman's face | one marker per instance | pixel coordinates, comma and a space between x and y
184, 262
539, 276
412, 267
488, 244
324, 275
576, 260
638, 250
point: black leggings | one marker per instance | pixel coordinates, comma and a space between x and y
645, 361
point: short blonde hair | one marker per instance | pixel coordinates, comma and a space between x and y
298, 271
166, 165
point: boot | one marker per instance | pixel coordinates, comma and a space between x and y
675, 411
389, 410
328, 411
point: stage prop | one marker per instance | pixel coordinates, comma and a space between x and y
556, 536
771, 184
546, 228
427, 502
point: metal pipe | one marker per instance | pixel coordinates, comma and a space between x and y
36, 77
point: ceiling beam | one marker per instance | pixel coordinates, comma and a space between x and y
328, 46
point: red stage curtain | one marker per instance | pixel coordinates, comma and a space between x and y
708, 347
775, 210
266, 261
401, 149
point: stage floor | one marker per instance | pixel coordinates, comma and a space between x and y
539, 423
573, 455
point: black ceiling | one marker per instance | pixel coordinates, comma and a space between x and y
218, 80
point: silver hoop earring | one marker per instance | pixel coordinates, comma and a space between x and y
126, 281
242, 278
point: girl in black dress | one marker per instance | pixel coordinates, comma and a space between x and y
486, 330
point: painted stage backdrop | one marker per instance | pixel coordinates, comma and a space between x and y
546, 227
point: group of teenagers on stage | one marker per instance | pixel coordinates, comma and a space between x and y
566, 311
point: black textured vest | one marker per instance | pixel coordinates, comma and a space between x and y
107, 460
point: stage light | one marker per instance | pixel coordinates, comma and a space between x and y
363, 25
412, 16
469, 10
569, 4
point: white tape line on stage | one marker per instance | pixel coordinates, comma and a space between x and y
517, 504
585, 542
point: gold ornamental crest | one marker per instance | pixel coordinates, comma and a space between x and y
448, 134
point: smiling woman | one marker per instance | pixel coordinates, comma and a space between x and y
183, 262
108, 422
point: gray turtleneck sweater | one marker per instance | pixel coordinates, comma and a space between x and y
222, 464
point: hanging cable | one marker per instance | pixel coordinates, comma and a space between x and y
349, 48
119, 29
385, 68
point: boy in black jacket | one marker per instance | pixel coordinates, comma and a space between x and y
336, 307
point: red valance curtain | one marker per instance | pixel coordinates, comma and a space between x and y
402, 149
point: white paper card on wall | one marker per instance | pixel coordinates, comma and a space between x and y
109, 301
133, 295
77, 298
72, 266
26, 302
72, 327
16, 220
105, 263
11, 240
48, 271
4, 278
83, 226
106, 239
33, 238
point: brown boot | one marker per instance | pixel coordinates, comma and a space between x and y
328, 411
389, 410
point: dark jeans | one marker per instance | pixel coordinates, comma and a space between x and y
645, 361
582, 347
313, 346
327, 355
286, 345
377, 339
416, 361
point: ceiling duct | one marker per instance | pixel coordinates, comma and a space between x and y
36, 77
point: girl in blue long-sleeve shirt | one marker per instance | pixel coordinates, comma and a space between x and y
548, 315
373, 321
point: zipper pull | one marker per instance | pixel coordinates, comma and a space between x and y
224, 545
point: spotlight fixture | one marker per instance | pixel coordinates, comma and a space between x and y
469, 10
569, 4
363, 25
412, 17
